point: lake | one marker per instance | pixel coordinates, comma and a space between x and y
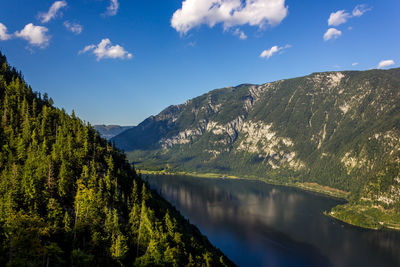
257, 224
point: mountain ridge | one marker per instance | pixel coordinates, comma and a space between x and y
109, 131
337, 129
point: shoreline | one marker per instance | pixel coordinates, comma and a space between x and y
351, 214
305, 186
366, 216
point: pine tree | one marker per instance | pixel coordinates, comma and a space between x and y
69, 198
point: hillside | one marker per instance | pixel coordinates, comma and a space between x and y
109, 131
335, 129
68, 198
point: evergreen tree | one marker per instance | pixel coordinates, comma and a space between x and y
69, 198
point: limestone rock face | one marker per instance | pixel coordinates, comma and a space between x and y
339, 129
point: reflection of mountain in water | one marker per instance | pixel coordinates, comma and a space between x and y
256, 223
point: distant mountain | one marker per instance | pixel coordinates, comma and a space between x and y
337, 129
109, 131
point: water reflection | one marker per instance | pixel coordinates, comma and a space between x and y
256, 224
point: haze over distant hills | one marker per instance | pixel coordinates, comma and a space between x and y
338, 129
109, 131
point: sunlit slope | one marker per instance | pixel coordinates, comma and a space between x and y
69, 198
338, 129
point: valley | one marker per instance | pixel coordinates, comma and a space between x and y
335, 130
199, 133
109, 131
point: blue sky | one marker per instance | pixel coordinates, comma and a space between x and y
120, 61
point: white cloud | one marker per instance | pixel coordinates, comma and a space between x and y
3, 32
332, 33
35, 35
359, 10
341, 16
87, 48
270, 52
338, 17
230, 13
112, 9
105, 50
354, 64
52, 13
240, 33
73, 27
385, 63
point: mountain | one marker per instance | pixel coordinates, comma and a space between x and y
336, 130
109, 131
69, 198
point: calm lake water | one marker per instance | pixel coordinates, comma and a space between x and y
256, 224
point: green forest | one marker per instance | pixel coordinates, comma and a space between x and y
338, 130
69, 198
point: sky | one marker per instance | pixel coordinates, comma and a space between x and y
120, 61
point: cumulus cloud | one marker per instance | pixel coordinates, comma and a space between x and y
341, 16
359, 10
230, 13
45, 17
338, 17
3, 32
332, 33
73, 27
385, 63
106, 50
112, 9
240, 33
354, 64
273, 50
35, 35
87, 48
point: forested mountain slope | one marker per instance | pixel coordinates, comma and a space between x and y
338, 129
67, 197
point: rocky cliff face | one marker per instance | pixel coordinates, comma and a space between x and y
339, 129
